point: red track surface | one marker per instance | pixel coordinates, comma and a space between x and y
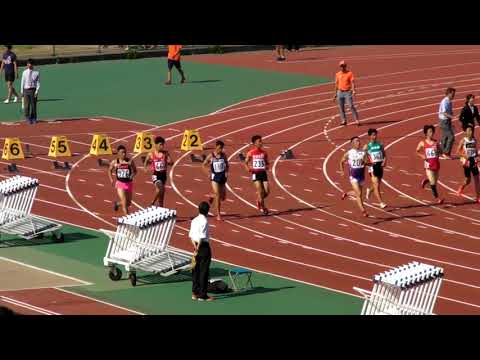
312, 235
54, 301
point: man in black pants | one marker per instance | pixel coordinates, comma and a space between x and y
29, 89
202, 254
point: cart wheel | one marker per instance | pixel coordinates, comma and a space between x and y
59, 238
115, 274
133, 279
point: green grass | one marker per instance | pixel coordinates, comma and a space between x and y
133, 89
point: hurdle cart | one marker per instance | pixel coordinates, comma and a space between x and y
141, 242
410, 289
17, 195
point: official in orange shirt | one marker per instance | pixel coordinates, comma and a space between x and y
344, 91
174, 53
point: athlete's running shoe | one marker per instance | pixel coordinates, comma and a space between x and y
424, 183
265, 211
383, 206
440, 201
364, 213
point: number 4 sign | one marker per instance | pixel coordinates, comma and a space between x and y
12, 149
191, 141
100, 145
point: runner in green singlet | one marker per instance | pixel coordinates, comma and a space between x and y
378, 158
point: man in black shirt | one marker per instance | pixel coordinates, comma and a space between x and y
9, 65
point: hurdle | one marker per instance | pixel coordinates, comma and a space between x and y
141, 242
410, 289
17, 195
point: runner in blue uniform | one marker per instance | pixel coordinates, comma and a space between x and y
216, 164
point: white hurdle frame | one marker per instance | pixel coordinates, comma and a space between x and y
410, 289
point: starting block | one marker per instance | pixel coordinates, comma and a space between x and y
287, 155
12, 168
59, 166
103, 162
241, 157
196, 158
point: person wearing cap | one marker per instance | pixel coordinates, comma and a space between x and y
202, 254
344, 92
29, 87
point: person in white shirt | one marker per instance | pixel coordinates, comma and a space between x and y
445, 117
202, 254
29, 87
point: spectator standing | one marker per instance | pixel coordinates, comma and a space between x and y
469, 113
202, 254
445, 117
174, 54
9, 65
344, 92
29, 87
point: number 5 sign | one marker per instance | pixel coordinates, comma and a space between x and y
12, 149
59, 147
191, 141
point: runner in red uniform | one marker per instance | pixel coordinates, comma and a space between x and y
125, 170
159, 160
429, 150
259, 169
468, 152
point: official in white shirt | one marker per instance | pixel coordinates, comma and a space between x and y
29, 87
202, 254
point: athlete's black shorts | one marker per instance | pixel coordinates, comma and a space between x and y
377, 170
219, 178
159, 176
10, 76
176, 63
260, 176
471, 169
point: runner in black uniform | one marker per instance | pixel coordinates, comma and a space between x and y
125, 170
468, 152
216, 164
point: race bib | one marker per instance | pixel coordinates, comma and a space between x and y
356, 163
377, 156
123, 173
259, 164
160, 166
471, 152
218, 166
431, 153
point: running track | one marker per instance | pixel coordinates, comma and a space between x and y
311, 236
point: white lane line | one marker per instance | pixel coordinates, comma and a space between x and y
308, 190
88, 196
258, 236
348, 211
101, 185
107, 201
344, 225
289, 228
317, 219
82, 180
280, 197
179, 203
235, 231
